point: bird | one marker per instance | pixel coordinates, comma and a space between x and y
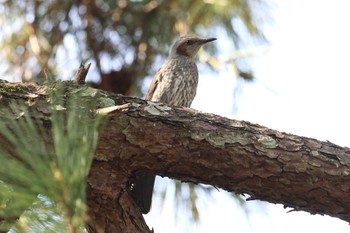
175, 83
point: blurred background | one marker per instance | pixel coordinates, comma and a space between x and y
282, 64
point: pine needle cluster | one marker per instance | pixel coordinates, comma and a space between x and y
45, 164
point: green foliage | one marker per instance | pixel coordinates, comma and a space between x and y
115, 35
44, 174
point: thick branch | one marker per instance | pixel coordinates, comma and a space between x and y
299, 172
302, 173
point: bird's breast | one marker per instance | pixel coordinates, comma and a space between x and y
184, 81
178, 85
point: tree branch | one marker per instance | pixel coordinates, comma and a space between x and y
152, 138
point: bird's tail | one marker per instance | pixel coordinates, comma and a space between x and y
142, 191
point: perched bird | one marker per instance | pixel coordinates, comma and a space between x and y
175, 83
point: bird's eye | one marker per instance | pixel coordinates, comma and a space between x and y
189, 42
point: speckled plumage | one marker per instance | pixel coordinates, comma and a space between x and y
175, 83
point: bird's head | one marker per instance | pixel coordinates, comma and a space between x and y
188, 46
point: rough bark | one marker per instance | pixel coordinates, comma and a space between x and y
144, 137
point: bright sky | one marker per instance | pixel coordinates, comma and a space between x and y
302, 87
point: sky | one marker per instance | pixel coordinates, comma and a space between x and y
301, 87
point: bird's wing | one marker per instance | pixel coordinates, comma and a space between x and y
152, 88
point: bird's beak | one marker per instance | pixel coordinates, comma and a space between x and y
206, 40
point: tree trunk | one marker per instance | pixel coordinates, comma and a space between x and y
151, 138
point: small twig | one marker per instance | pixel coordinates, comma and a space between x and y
107, 110
80, 76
